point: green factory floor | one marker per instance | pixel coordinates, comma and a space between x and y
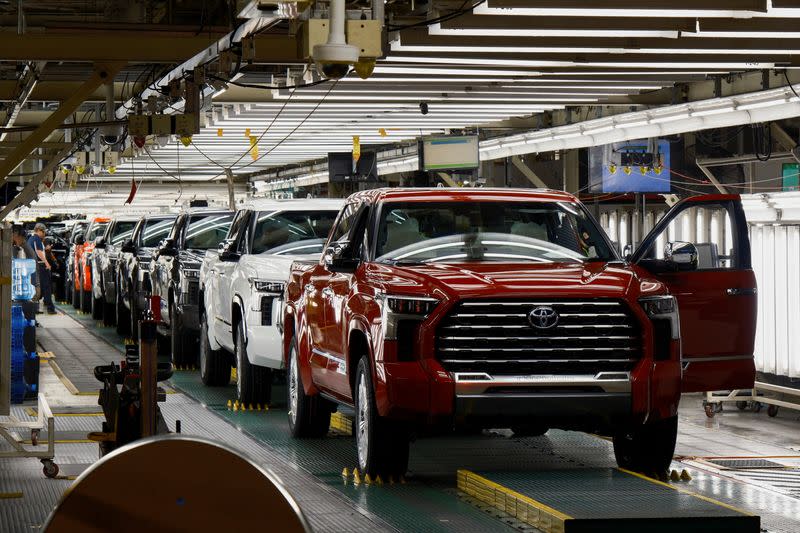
429, 500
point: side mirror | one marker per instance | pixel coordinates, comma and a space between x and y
128, 247
227, 251
80, 240
168, 248
100, 243
336, 258
681, 255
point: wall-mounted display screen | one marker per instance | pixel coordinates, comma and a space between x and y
449, 153
630, 166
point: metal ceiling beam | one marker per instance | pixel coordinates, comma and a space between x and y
667, 5
101, 46
101, 74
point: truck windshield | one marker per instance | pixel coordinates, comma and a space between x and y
292, 232
541, 232
97, 229
155, 230
205, 232
122, 231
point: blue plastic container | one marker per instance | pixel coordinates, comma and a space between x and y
22, 272
18, 354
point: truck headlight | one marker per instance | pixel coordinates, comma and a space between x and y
266, 285
401, 311
663, 308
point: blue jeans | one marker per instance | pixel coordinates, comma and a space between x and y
46, 286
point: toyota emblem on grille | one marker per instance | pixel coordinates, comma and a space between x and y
543, 317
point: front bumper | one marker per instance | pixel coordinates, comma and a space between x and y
264, 343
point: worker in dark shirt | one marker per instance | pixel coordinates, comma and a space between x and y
36, 241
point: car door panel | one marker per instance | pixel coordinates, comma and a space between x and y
717, 305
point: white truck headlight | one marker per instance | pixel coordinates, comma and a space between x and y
266, 285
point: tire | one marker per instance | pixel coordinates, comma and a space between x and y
86, 301
309, 416
383, 445
648, 448
253, 383
76, 297
529, 430
181, 347
134, 315
97, 307
215, 368
123, 315
772, 411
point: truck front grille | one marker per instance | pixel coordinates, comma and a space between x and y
192, 293
497, 337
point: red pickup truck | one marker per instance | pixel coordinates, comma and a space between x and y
433, 309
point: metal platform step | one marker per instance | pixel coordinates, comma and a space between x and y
598, 500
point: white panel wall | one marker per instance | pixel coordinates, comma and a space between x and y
776, 262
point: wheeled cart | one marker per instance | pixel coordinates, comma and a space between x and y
753, 398
44, 420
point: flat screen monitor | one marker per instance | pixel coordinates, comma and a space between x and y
341, 169
618, 168
452, 152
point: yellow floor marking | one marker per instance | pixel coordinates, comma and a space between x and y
64, 379
341, 423
10, 495
520, 506
685, 491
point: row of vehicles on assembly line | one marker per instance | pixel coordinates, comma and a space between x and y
429, 310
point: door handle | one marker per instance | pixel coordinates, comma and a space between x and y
741, 292
327, 291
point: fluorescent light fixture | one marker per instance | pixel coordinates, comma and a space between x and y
759, 105
599, 129
713, 111
436, 29
669, 118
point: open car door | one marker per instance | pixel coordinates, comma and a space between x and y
701, 250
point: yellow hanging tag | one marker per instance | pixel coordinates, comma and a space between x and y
247, 132
219, 132
253, 147
382, 132
356, 148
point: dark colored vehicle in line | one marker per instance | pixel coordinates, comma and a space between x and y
104, 266
498, 308
174, 276
133, 269
60, 250
76, 234
83, 275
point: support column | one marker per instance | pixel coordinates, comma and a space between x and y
571, 171
528, 172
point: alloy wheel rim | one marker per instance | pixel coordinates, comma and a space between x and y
293, 393
363, 423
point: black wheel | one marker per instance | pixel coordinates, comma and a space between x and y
253, 383
647, 448
76, 297
741, 406
68, 290
309, 416
710, 410
183, 350
529, 430
97, 306
35, 437
134, 315
215, 368
123, 314
772, 411
86, 300
50, 469
382, 445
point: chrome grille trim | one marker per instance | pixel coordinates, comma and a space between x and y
592, 335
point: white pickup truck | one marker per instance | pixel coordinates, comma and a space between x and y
242, 285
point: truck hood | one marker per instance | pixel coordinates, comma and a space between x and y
277, 267
594, 279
